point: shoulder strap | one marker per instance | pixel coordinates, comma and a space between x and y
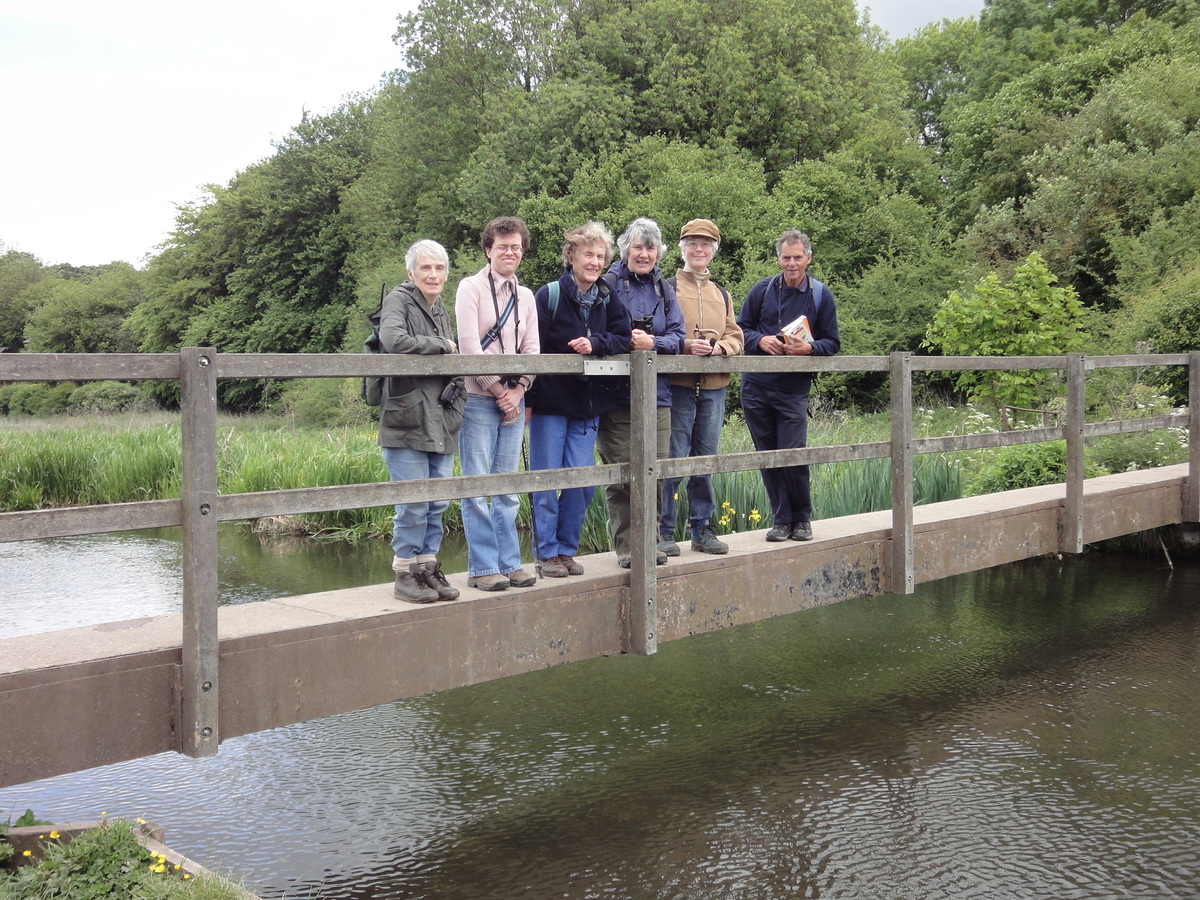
818, 288
552, 289
725, 294
819, 291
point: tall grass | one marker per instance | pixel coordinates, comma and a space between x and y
94, 460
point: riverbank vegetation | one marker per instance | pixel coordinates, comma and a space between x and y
106, 861
85, 460
928, 170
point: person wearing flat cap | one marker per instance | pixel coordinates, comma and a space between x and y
698, 400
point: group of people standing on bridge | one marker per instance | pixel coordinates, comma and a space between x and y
597, 307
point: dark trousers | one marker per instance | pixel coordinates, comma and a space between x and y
778, 420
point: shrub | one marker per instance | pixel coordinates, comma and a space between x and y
1025, 465
58, 400
326, 402
27, 398
108, 397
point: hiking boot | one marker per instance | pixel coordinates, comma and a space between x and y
625, 560
432, 576
707, 542
521, 578
572, 567
668, 546
779, 533
551, 568
410, 590
493, 582
802, 531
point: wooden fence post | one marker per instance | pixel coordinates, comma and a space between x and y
1192, 506
1071, 536
643, 502
199, 734
902, 573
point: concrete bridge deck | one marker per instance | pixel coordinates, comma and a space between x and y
90, 696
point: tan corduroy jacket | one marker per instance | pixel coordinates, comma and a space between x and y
704, 308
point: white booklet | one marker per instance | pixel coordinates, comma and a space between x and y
798, 331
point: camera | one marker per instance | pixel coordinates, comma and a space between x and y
453, 394
510, 381
644, 323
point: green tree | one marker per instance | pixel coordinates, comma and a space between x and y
1125, 160
85, 316
18, 272
1029, 316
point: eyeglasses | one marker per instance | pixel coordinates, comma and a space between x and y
509, 248
699, 245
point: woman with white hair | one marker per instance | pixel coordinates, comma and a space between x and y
419, 419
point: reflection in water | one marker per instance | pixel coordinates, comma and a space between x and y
1025, 732
54, 584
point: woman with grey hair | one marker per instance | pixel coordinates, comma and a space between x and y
419, 419
658, 326
579, 314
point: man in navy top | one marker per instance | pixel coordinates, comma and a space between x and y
776, 403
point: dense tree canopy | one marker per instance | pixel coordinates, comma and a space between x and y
1066, 129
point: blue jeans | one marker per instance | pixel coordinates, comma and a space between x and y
487, 447
695, 431
556, 442
417, 527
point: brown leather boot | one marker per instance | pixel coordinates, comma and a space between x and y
411, 590
432, 576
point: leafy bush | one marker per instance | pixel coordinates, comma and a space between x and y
108, 397
27, 398
326, 402
1022, 466
58, 400
1143, 450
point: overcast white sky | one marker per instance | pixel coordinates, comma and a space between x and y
114, 114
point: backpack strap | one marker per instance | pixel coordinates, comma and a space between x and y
818, 291
552, 289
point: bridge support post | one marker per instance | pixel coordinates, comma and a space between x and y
1071, 535
902, 574
1191, 506
643, 502
198, 709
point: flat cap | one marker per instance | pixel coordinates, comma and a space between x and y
700, 228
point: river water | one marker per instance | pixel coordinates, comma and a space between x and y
1030, 731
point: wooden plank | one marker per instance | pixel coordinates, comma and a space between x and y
199, 733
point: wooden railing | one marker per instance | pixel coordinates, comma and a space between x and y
201, 508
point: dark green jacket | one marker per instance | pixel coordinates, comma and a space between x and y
411, 414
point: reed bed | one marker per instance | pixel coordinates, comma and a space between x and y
93, 460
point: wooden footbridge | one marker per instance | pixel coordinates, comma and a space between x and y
90, 696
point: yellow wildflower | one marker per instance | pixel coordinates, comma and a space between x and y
54, 835
27, 853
